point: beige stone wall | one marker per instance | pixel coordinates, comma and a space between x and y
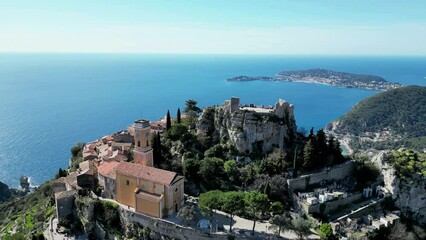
148, 207
175, 197
125, 187
142, 137
143, 158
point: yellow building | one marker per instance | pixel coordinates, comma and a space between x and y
151, 191
143, 150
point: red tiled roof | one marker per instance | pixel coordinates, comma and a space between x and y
149, 196
108, 169
146, 173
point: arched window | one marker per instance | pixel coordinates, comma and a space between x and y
139, 143
147, 143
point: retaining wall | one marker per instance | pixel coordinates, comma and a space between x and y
336, 172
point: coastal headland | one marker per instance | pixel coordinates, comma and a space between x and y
328, 77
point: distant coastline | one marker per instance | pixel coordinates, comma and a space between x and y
328, 77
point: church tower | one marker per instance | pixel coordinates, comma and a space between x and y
143, 151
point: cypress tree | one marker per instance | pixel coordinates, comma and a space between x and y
168, 121
178, 117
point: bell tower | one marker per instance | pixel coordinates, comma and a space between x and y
143, 151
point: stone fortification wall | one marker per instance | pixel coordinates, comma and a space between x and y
166, 228
169, 230
340, 171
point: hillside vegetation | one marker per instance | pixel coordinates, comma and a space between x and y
398, 115
27, 216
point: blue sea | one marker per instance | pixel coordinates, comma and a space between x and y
49, 102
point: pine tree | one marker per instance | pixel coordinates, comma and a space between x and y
178, 117
157, 148
168, 121
311, 134
309, 155
321, 149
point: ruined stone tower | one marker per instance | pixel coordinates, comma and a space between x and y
235, 104
143, 151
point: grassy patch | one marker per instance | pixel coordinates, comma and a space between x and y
29, 221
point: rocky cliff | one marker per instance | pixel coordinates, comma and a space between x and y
249, 128
409, 194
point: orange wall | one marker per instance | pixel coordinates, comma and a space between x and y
148, 207
126, 192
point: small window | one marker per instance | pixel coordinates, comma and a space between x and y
127, 182
139, 143
176, 189
147, 142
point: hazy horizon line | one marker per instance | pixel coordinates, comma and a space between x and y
235, 54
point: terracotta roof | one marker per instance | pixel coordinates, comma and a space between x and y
108, 169
146, 173
149, 196
86, 167
71, 180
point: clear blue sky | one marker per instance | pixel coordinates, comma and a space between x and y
328, 27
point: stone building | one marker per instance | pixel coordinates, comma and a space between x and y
86, 175
107, 178
64, 204
142, 153
151, 191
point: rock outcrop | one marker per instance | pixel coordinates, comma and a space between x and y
85, 211
5, 192
250, 128
409, 194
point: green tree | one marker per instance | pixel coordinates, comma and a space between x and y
326, 232
168, 121
210, 201
176, 132
156, 148
192, 111
280, 222
231, 169
215, 151
61, 173
191, 167
277, 208
76, 150
211, 170
301, 226
233, 203
178, 116
257, 204
191, 105
274, 163
309, 155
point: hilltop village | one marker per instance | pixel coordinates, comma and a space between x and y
234, 171
230, 170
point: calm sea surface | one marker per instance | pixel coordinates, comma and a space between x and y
49, 102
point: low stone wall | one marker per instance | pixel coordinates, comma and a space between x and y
336, 172
167, 228
362, 211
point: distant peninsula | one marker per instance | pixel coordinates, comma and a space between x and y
324, 76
